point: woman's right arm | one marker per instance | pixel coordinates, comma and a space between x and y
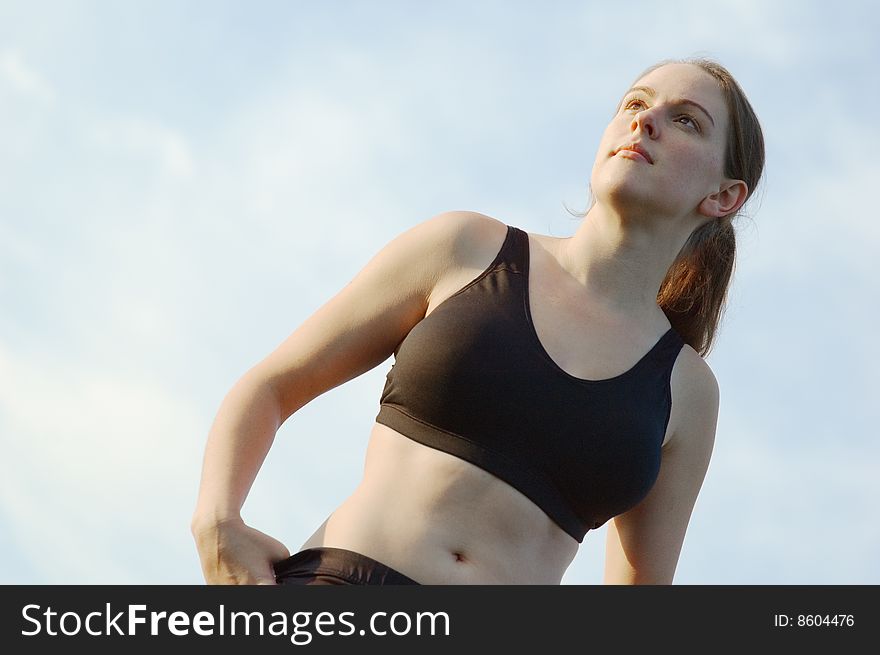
356, 330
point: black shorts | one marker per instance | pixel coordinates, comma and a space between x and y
336, 566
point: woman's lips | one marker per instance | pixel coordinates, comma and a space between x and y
635, 152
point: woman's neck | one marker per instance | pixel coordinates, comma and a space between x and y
620, 262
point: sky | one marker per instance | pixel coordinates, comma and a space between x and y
183, 183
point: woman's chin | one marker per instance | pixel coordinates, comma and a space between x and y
627, 197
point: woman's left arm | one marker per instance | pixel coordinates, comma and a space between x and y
643, 544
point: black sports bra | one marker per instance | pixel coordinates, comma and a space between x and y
472, 379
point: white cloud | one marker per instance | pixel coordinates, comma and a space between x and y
18, 254
821, 210
644, 32
788, 510
99, 462
147, 138
24, 79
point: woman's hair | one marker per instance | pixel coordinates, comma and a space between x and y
694, 293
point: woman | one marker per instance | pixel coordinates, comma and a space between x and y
541, 386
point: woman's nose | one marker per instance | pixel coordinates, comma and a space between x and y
644, 121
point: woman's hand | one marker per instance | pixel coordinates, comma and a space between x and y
234, 553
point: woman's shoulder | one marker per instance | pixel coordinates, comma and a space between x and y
472, 225
694, 369
467, 237
459, 245
695, 391
441, 244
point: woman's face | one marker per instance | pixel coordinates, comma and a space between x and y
677, 118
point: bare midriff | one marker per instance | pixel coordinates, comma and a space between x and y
441, 520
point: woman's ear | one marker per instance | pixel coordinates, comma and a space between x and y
727, 200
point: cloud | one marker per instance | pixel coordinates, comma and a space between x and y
802, 512
99, 463
146, 138
24, 79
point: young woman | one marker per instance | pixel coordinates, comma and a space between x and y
542, 386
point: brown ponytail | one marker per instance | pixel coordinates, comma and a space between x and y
694, 292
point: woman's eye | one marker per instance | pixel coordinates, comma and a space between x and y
688, 119
632, 103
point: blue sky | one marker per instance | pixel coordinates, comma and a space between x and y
183, 183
